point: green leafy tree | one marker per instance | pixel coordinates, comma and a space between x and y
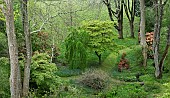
76, 48
101, 36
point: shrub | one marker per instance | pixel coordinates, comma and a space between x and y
126, 91
152, 87
94, 79
166, 91
43, 80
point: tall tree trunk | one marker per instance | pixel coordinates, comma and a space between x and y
13, 51
130, 13
165, 52
142, 32
28, 48
155, 43
117, 14
132, 35
110, 11
157, 29
120, 21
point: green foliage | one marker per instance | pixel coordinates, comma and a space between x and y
133, 58
43, 79
101, 35
152, 87
2, 22
166, 92
166, 20
149, 20
18, 25
4, 76
149, 3
2, 25
76, 48
126, 91
131, 55
137, 8
3, 45
41, 42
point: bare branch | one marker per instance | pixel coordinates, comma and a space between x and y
115, 13
38, 29
126, 11
104, 2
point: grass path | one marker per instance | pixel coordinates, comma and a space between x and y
107, 66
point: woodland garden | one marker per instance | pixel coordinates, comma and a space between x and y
84, 48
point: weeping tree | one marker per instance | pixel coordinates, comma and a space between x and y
101, 36
76, 48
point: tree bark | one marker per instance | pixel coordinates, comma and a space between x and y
120, 21
117, 14
157, 29
165, 52
132, 35
13, 51
155, 43
99, 57
110, 12
130, 13
28, 48
142, 32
